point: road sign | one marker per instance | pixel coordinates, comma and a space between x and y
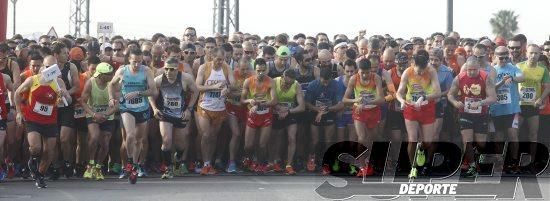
105, 27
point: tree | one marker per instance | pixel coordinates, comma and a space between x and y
504, 23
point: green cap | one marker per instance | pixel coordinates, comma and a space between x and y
103, 68
283, 51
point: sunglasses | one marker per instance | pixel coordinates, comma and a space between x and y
479, 57
547, 50
45, 43
502, 58
408, 48
514, 47
189, 52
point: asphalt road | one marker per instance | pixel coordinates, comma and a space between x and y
194, 187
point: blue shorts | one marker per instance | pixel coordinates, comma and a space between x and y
343, 120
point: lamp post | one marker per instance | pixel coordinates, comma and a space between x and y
14, 9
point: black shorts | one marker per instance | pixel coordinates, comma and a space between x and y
395, 121
3, 125
440, 108
303, 118
65, 116
478, 123
176, 122
139, 116
46, 130
106, 126
528, 111
283, 123
81, 124
327, 119
503, 122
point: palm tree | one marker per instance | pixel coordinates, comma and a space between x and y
504, 23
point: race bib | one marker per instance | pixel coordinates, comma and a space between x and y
503, 96
366, 97
172, 102
213, 94
468, 102
528, 94
416, 95
43, 109
135, 102
79, 112
100, 108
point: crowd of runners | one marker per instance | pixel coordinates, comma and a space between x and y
173, 106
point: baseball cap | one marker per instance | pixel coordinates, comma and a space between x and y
339, 45
103, 68
283, 51
76, 54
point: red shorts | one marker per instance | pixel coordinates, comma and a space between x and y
426, 115
238, 111
370, 117
260, 120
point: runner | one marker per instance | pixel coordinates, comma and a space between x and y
533, 91
395, 121
212, 81
344, 120
368, 94
237, 113
136, 83
417, 93
173, 113
504, 112
5, 87
324, 100
472, 92
99, 116
290, 100
65, 117
260, 95
40, 118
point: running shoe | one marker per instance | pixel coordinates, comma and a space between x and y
68, 170
208, 170
472, 172
198, 167
290, 170
277, 168
3, 174
420, 157
141, 171
167, 174
413, 173
311, 163
232, 168
89, 173
366, 171
10, 168
336, 166
40, 183
325, 170
116, 168
98, 173
352, 169
184, 169
54, 174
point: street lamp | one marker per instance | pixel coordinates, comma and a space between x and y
14, 8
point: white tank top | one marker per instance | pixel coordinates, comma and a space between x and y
212, 100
